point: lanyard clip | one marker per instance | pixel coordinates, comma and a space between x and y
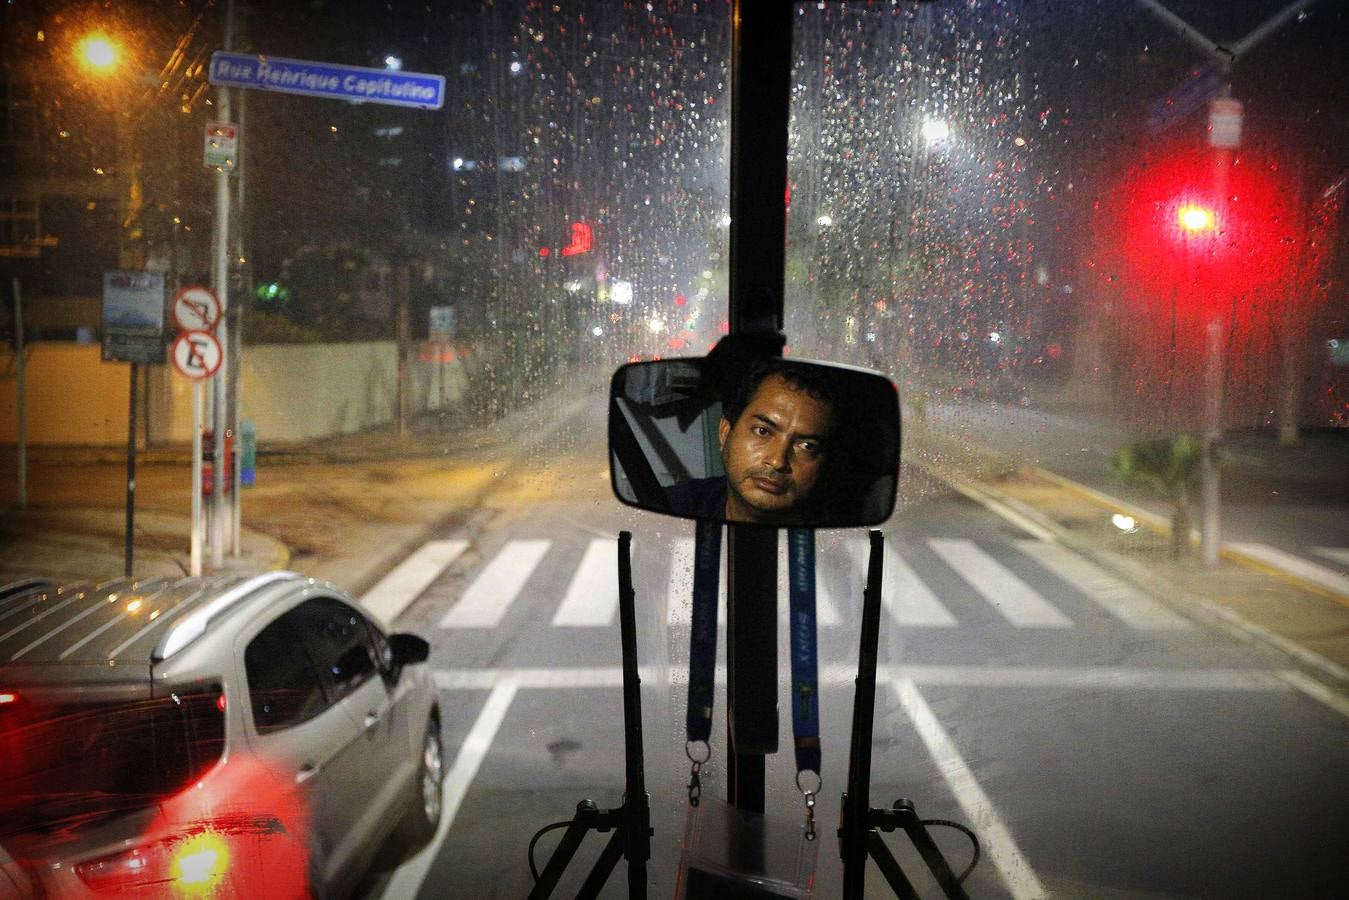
810, 795
695, 773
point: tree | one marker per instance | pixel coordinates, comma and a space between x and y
1170, 465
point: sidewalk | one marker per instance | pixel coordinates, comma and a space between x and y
1243, 595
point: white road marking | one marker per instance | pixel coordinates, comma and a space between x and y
680, 590
396, 590
903, 594
1339, 554
495, 588
592, 596
1123, 601
1295, 565
1017, 601
1006, 856
407, 879
841, 674
1317, 691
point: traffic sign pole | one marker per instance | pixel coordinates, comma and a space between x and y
198, 392
219, 406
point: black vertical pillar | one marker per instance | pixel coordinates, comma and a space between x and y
761, 61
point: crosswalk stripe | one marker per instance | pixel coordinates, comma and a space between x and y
1338, 554
1121, 600
680, 591
905, 597
592, 596
495, 588
396, 590
1017, 601
1302, 568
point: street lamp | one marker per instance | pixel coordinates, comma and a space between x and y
97, 52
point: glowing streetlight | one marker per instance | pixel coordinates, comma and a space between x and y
98, 52
935, 131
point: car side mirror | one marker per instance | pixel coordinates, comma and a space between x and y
771, 441
408, 649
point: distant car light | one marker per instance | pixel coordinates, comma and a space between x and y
597, 331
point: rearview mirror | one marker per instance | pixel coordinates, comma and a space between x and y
775, 442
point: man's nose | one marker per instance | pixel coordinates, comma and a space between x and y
778, 455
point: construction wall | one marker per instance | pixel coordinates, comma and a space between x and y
290, 391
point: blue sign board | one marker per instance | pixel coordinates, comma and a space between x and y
314, 79
1186, 98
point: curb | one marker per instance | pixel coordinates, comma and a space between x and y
1160, 523
1040, 525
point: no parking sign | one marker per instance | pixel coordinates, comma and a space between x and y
196, 354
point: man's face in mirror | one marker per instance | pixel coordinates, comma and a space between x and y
775, 453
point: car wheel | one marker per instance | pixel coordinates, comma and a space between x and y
427, 802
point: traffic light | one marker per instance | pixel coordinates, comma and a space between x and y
1201, 229
1195, 219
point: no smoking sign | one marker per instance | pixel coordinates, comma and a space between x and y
196, 354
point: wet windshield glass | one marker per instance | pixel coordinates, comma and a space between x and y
338, 288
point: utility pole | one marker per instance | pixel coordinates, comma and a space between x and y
220, 279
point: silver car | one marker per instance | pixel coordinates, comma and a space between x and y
240, 736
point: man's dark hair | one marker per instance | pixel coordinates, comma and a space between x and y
819, 382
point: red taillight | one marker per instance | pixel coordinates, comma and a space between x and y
185, 866
220, 703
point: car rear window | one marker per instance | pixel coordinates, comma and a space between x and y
67, 765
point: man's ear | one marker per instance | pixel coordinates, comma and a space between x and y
723, 430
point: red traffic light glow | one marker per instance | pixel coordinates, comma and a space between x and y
1194, 218
1205, 228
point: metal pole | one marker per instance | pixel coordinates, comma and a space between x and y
237, 341
198, 401
22, 398
220, 381
131, 474
220, 278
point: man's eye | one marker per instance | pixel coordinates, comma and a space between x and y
759, 431
810, 447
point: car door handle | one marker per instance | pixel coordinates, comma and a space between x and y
371, 720
307, 771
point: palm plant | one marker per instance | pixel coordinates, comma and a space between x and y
1171, 466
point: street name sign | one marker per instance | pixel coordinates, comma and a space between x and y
133, 317
1185, 98
196, 354
195, 308
336, 82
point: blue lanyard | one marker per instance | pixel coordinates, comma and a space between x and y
703, 633
805, 654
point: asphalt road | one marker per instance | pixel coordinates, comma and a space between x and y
1100, 742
